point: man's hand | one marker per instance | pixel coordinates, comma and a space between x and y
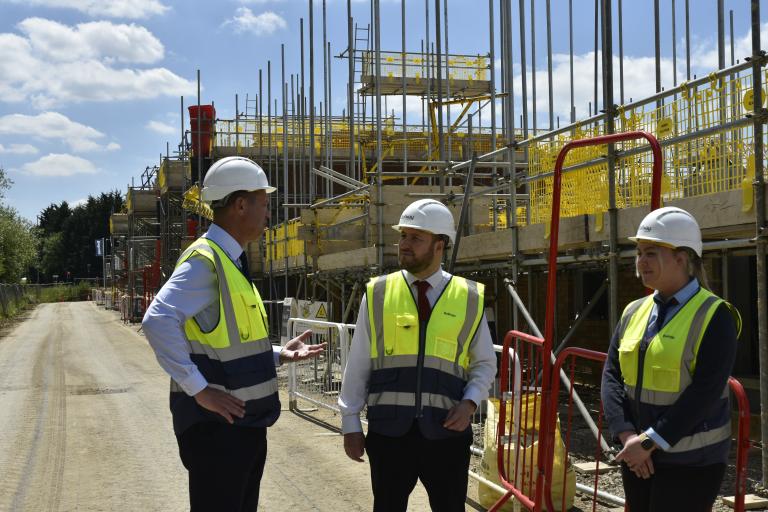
637, 458
460, 416
297, 350
221, 403
354, 445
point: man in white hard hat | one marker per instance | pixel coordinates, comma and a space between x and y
209, 330
422, 360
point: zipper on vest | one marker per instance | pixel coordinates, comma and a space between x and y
420, 365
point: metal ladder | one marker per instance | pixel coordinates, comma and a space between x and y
362, 46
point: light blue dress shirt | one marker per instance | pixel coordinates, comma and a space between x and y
191, 291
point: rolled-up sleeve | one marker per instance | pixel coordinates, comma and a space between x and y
354, 385
482, 365
191, 289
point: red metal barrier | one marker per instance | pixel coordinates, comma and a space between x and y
742, 443
549, 322
524, 351
573, 353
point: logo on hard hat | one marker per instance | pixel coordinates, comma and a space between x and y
406, 217
647, 229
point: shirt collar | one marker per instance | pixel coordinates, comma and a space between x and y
682, 295
433, 280
224, 240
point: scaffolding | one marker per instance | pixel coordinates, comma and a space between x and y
343, 178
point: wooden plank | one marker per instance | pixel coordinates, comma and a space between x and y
590, 468
364, 257
332, 246
719, 216
751, 502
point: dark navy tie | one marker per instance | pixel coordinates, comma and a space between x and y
244, 266
661, 315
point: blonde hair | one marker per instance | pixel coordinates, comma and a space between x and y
695, 266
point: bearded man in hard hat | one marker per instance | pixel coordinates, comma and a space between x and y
665, 382
422, 360
209, 330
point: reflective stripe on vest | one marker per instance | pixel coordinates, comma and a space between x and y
409, 400
701, 439
395, 329
242, 328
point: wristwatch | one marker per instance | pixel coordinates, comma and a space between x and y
646, 442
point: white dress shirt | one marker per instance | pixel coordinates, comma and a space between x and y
354, 387
191, 291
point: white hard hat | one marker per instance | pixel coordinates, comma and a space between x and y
428, 215
231, 174
672, 227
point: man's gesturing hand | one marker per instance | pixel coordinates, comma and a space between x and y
296, 349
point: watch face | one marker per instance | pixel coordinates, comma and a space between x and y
647, 443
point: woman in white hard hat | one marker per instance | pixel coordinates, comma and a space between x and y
665, 382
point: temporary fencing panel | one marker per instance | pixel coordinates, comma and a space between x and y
318, 381
578, 441
521, 450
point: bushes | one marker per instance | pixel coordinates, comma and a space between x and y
14, 298
64, 292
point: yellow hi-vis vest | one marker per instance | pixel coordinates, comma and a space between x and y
404, 380
670, 357
236, 356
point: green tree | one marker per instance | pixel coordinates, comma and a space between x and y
17, 239
68, 235
17, 246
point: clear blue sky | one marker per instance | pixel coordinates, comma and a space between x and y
90, 89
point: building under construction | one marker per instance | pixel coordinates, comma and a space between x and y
343, 179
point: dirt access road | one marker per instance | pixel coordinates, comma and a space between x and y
84, 425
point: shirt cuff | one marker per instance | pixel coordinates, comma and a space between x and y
194, 384
660, 442
276, 349
474, 394
351, 423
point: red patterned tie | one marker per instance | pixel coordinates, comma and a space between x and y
424, 308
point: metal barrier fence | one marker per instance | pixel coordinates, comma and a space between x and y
318, 381
12, 297
537, 471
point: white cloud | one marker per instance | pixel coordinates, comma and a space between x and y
52, 125
131, 9
78, 202
161, 128
265, 23
19, 149
56, 164
95, 40
56, 64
